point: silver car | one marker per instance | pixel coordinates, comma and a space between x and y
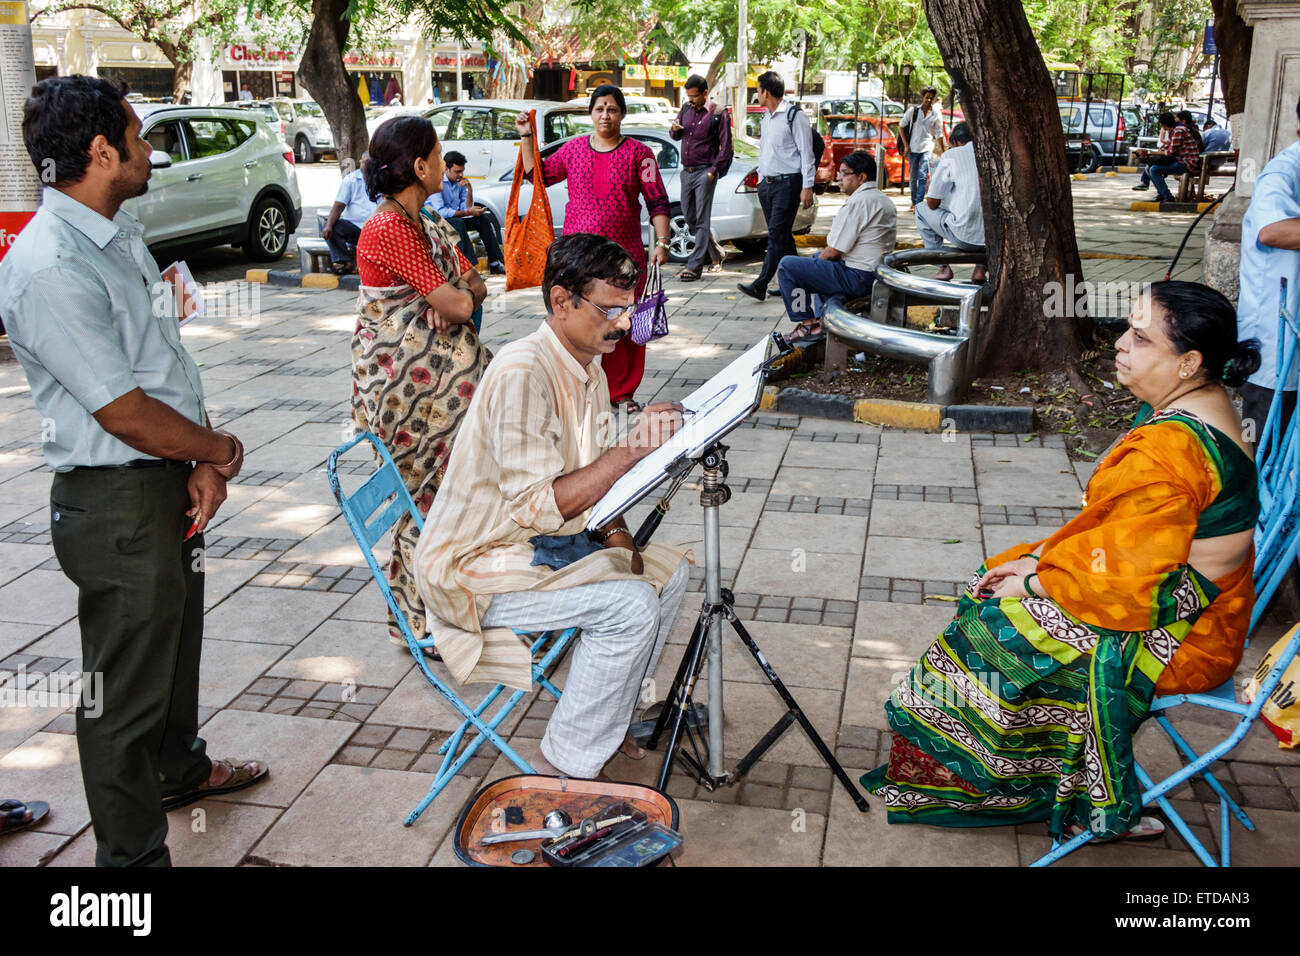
305, 128
737, 215
219, 175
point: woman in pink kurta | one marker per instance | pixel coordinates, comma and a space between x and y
608, 175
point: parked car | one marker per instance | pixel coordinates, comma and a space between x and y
737, 216
263, 109
305, 128
219, 175
844, 105
872, 131
1100, 139
637, 105
484, 130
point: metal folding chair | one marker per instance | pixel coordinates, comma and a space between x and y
371, 511
1222, 699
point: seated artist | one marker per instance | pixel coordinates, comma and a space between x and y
864, 230
1023, 709
534, 454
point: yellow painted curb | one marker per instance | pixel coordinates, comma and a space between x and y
789, 363
1110, 175
1202, 206
768, 400
320, 280
1079, 176
257, 275
884, 411
810, 242
1127, 169
1145, 207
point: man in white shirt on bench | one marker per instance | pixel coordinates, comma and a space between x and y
951, 213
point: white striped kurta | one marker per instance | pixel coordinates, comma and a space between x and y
537, 415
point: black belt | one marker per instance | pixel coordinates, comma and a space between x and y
136, 463
696, 169
781, 178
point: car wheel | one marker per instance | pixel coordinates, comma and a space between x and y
681, 241
268, 230
754, 245
304, 150
1096, 160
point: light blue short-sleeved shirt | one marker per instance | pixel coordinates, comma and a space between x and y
1276, 197
90, 318
357, 205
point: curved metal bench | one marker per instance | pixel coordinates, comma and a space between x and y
950, 356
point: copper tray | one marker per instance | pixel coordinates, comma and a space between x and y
536, 796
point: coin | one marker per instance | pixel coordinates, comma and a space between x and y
522, 857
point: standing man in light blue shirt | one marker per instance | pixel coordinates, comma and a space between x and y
1270, 252
139, 472
787, 169
352, 207
455, 203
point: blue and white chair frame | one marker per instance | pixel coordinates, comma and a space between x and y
1222, 699
371, 511
1277, 537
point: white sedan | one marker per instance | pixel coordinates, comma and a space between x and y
737, 216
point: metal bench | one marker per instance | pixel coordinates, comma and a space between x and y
950, 357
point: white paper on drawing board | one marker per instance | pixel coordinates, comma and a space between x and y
712, 410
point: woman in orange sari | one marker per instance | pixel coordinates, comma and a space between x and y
1025, 707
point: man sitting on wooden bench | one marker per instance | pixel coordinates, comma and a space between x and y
1182, 155
352, 207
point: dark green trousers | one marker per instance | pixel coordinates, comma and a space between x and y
118, 535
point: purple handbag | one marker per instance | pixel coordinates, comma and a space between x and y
650, 317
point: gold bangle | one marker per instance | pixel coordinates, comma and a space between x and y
611, 532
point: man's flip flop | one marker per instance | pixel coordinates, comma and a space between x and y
688, 275
13, 815
240, 777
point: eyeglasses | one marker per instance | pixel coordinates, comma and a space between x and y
613, 313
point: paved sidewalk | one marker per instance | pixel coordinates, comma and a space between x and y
845, 547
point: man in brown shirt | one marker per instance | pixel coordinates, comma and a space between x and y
535, 453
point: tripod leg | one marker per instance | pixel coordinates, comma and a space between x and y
675, 689
794, 712
682, 705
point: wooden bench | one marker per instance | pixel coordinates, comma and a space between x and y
1191, 186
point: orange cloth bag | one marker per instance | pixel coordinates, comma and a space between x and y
528, 239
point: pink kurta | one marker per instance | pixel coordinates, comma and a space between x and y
605, 192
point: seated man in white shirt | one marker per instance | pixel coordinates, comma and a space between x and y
951, 213
352, 207
864, 230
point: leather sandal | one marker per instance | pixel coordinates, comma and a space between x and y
13, 814
240, 777
688, 275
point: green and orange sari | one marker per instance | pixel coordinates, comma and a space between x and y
1024, 708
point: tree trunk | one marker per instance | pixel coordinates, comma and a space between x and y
323, 74
1010, 104
182, 79
1233, 39
510, 82
715, 69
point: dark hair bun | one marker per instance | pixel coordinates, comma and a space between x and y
1243, 364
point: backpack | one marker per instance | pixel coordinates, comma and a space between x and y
818, 144
715, 120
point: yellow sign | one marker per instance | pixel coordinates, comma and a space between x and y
662, 74
13, 13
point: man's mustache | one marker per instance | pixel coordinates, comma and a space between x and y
615, 335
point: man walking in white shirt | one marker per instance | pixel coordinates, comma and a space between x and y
952, 212
787, 167
921, 129
864, 230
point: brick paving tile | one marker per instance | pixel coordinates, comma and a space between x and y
774, 774
811, 778
358, 712
853, 757
758, 795
409, 738
865, 738
284, 705
1272, 798
305, 689
841, 619
249, 702
393, 759
373, 735
1253, 774
270, 686
356, 756
805, 617
809, 801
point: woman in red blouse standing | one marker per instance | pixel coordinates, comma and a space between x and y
608, 175
416, 357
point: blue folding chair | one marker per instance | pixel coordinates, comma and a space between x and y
371, 511
1222, 699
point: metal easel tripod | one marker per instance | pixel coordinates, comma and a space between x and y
704, 756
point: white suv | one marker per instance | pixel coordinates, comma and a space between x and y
220, 175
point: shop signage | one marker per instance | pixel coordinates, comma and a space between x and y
468, 61
241, 53
370, 59
20, 190
663, 74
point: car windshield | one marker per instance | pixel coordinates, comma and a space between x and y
307, 108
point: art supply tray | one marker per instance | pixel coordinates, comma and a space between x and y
521, 802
